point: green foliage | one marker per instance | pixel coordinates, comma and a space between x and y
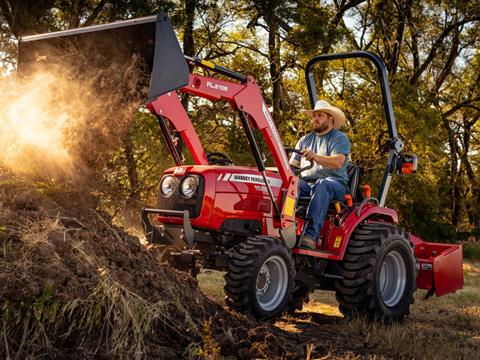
137, 176
431, 52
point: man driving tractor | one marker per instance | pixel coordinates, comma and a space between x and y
243, 219
328, 149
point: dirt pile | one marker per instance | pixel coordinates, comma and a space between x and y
74, 285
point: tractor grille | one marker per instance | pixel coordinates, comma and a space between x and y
176, 201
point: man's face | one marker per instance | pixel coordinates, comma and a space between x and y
321, 121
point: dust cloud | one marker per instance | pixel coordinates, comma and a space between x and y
56, 124
35, 124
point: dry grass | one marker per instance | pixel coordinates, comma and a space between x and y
439, 328
211, 282
116, 318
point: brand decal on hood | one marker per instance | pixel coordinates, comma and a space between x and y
249, 179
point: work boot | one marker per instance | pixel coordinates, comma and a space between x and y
308, 242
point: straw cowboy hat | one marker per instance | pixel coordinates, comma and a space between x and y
339, 118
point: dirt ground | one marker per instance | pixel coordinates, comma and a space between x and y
438, 328
73, 285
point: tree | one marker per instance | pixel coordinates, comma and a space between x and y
431, 50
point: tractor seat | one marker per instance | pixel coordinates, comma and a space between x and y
353, 172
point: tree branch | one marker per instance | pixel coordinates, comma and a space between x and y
447, 69
98, 9
459, 106
7, 13
245, 46
436, 45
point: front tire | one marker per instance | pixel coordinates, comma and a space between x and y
260, 277
379, 273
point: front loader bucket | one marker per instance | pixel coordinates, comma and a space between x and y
151, 38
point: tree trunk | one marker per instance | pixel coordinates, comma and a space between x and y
275, 74
131, 169
404, 8
458, 203
188, 43
75, 14
455, 192
23, 16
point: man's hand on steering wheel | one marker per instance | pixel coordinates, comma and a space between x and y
297, 169
309, 155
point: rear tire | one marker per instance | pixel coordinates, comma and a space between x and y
379, 273
260, 277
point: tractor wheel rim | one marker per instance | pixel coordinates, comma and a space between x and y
272, 283
393, 278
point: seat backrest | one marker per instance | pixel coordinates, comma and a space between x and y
353, 172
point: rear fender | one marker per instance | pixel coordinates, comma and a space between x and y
440, 266
339, 236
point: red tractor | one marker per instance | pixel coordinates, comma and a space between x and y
248, 221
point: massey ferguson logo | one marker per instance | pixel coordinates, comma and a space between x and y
217, 86
249, 179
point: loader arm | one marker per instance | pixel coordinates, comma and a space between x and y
247, 100
153, 39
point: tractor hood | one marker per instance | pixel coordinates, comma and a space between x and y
152, 38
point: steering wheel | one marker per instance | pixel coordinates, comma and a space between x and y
298, 170
218, 158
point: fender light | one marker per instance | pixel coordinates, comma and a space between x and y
407, 164
367, 191
407, 168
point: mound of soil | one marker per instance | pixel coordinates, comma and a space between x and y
74, 285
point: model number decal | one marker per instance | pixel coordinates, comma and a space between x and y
217, 86
338, 241
261, 188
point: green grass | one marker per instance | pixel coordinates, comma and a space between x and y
446, 327
471, 250
211, 282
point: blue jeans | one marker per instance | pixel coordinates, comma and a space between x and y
323, 192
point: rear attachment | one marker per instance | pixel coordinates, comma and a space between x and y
440, 267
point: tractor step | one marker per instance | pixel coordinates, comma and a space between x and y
316, 253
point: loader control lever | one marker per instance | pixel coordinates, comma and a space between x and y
298, 170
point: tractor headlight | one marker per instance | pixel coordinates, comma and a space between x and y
189, 186
168, 185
